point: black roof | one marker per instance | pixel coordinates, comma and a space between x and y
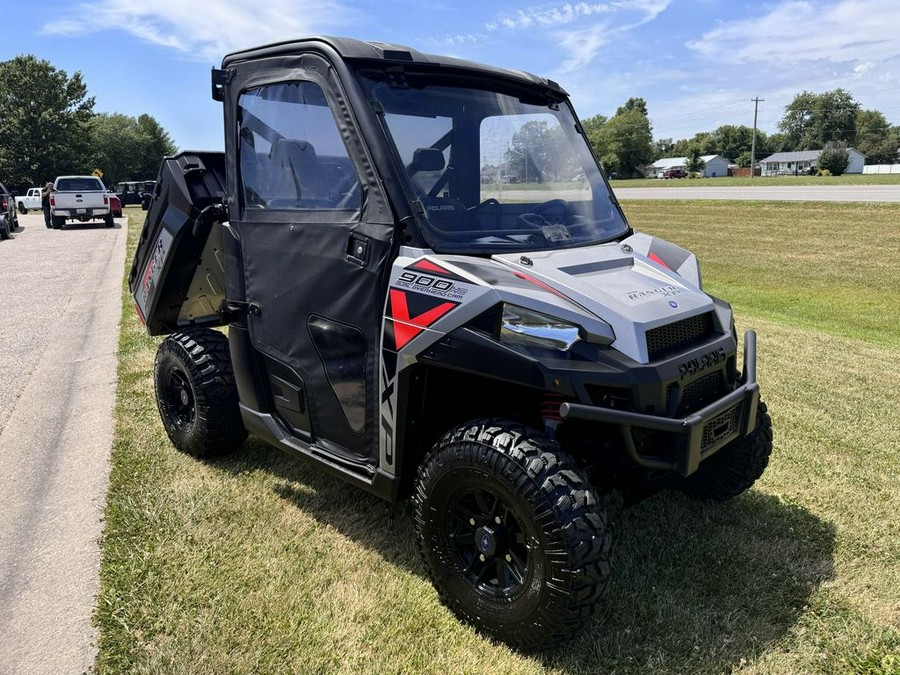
351, 49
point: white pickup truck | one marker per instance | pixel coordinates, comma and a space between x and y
30, 200
81, 198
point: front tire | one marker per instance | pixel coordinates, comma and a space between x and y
196, 393
737, 466
22, 209
511, 533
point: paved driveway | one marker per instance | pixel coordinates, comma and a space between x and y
806, 193
60, 303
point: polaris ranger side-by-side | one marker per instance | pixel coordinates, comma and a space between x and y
431, 291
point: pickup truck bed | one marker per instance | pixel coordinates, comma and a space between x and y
81, 198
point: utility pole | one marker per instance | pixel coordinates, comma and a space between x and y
753, 142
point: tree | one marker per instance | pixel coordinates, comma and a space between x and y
731, 140
158, 145
778, 142
663, 147
628, 137
125, 148
528, 148
118, 147
593, 128
44, 118
812, 120
876, 138
834, 158
634, 103
694, 163
703, 140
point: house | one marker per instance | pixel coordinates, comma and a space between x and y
714, 165
804, 162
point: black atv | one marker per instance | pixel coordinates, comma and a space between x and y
411, 271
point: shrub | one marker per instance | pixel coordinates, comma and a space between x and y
834, 158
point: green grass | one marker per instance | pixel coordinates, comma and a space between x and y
257, 564
761, 181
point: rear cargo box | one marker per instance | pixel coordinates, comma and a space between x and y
178, 275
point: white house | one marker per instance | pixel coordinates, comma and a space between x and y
804, 162
715, 165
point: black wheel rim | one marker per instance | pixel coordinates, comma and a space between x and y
488, 542
179, 399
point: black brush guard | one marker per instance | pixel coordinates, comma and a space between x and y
699, 435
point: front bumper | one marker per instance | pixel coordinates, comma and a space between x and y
699, 435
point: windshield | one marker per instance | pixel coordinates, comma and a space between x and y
494, 172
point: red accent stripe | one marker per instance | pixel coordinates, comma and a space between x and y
655, 258
429, 266
546, 287
407, 327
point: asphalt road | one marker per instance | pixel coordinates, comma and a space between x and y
60, 304
804, 193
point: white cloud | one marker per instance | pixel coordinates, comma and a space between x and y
846, 30
583, 44
205, 34
801, 45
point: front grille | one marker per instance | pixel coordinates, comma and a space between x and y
676, 336
720, 426
696, 394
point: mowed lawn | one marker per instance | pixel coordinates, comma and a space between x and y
258, 564
762, 181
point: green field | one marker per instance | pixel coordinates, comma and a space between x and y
256, 564
761, 181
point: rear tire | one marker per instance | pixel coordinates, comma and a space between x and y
511, 533
108, 219
196, 393
57, 222
737, 466
5, 228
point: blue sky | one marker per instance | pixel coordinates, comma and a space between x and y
696, 62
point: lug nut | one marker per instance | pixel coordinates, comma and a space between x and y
471, 521
481, 557
497, 519
508, 558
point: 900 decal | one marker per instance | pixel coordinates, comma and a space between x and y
432, 285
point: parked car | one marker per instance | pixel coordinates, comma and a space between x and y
115, 205
133, 191
674, 173
80, 198
30, 200
9, 219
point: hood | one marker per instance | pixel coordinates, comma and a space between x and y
634, 285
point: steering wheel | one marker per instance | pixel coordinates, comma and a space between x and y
552, 211
533, 220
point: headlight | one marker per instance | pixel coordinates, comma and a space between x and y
520, 326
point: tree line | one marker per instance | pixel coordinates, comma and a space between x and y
832, 120
48, 128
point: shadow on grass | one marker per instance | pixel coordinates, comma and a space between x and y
696, 587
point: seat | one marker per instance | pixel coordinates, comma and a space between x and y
425, 169
298, 178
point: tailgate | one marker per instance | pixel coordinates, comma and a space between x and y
177, 277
